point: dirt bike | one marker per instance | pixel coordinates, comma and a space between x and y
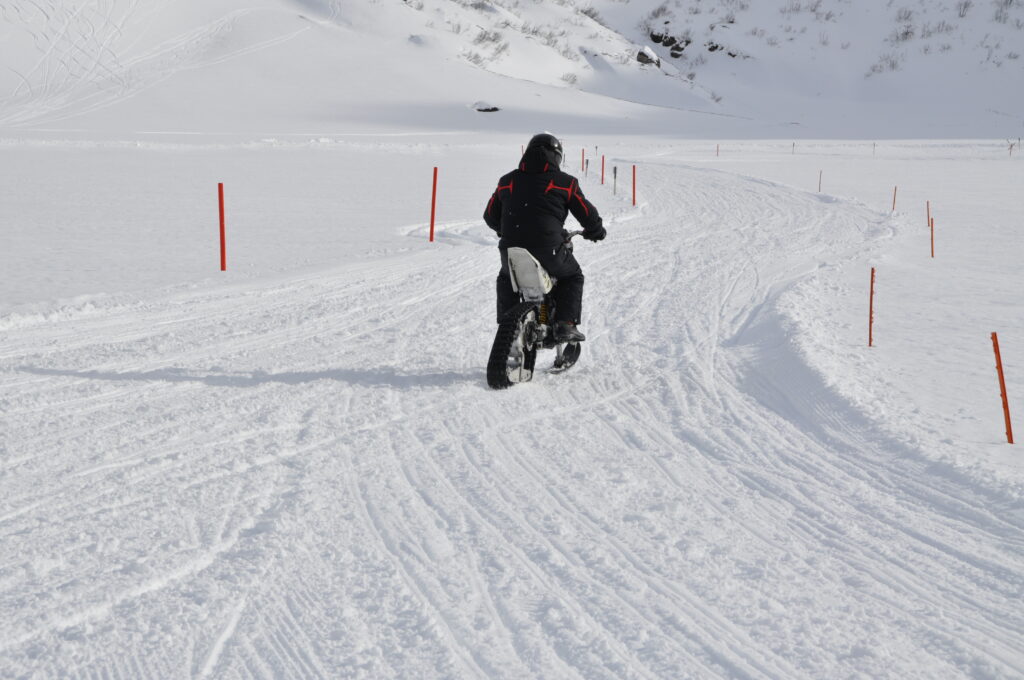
529, 326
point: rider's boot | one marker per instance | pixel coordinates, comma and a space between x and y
566, 331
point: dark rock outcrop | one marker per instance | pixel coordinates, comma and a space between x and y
647, 56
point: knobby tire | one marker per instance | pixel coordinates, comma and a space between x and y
504, 340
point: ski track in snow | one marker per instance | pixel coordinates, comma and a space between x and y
83, 65
311, 479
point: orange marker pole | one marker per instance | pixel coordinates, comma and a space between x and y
928, 212
1002, 389
433, 206
583, 160
223, 239
931, 223
871, 311
602, 168
634, 185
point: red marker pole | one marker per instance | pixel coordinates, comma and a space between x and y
1002, 389
634, 185
602, 168
871, 311
931, 223
223, 239
583, 160
433, 206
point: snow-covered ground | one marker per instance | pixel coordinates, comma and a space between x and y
294, 468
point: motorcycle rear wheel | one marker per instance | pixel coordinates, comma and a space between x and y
514, 353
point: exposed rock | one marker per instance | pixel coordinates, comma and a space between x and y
647, 56
677, 49
484, 107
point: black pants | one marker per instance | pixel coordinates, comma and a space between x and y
561, 265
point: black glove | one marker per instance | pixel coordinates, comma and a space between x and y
595, 234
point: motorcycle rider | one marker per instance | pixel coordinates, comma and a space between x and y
528, 210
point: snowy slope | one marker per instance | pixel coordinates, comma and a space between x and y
265, 68
793, 69
845, 66
294, 468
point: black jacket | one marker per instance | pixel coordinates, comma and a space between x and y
530, 205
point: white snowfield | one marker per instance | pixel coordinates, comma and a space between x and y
295, 469
305, 475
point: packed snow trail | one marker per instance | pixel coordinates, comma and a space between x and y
309, 478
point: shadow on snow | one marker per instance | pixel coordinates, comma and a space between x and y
375, 377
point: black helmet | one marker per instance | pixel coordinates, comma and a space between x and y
550, 144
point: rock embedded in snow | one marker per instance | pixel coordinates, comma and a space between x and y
484, 107
647, 56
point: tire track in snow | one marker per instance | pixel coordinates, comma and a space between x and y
500, 523
740, 429
658, 511
218, 646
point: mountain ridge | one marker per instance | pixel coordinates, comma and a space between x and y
720, 68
